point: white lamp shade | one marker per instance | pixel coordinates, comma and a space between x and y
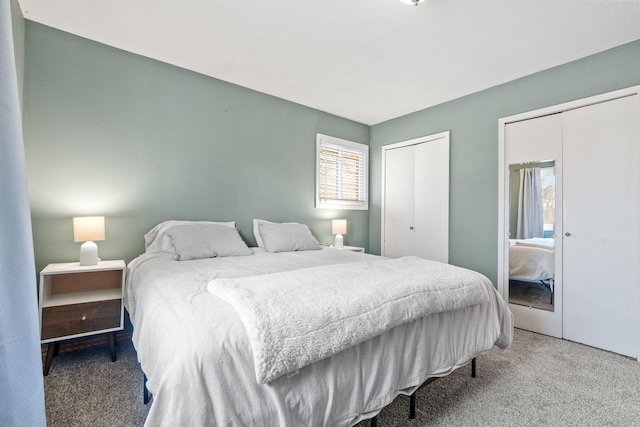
339, 226
88, 228
412, 2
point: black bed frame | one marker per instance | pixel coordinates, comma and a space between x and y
374, 420
412, 398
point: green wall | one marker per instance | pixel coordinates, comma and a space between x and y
473, 122
139, 141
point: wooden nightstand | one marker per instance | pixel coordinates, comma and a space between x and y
77, 301
350, 248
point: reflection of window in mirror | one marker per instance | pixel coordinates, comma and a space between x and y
544, 190
548, 200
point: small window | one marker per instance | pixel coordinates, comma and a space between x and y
548, 181
341, 174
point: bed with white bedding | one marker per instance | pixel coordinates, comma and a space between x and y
197, 349
531, 259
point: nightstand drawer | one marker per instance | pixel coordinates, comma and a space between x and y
65, 320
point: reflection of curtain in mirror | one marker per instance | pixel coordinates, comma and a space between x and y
530, 222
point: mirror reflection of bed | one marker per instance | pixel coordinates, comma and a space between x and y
531, 252
531, 270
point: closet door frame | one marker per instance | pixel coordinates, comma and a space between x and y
503, 176
420, 140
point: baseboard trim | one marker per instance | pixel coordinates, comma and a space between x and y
95, 341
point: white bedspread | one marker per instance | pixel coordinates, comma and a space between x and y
532, 259
198, 358
298, 317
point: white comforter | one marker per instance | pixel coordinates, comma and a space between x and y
298, 317
199, 363
531, 259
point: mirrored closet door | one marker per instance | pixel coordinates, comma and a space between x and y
569, 261
533, 155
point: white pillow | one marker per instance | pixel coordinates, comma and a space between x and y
196, 241
156, 240
534, 245
286, 237
256, 229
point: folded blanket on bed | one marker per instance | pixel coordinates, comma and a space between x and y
298, 317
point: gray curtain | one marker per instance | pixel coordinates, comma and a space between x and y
21, 384
530, 220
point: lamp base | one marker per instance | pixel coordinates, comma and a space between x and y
339, 241
89, 253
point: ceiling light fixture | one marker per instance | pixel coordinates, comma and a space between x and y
413, 2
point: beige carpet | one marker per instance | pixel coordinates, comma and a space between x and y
539, 381
530, 294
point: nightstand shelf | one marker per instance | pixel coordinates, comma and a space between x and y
78, 301
350, 248
78, 298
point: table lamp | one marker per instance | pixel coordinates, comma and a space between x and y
87, 229
339, 227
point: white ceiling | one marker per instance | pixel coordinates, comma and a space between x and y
365, 60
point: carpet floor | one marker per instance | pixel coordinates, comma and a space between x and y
539, 381
530, 294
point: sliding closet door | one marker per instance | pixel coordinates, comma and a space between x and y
415, 198
399, 202
532, 142
432, 200
601, 239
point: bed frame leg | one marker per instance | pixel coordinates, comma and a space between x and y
374, 421
412, 398
412, 406
145, 393
112, 345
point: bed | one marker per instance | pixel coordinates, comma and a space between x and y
198, 355
533, 260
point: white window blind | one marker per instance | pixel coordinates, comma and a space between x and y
341, 174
